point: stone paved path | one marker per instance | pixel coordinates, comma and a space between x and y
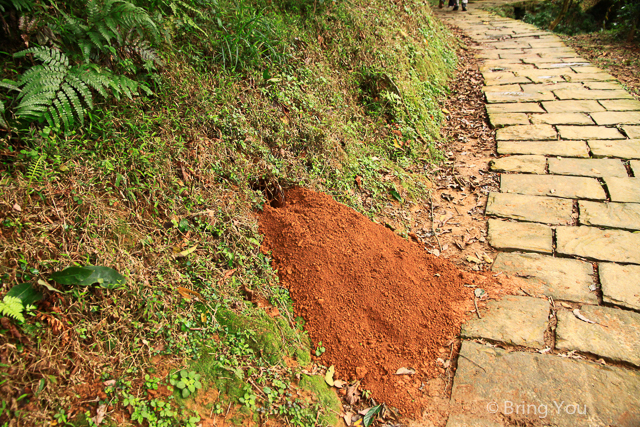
566, 221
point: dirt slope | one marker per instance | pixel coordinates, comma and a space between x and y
376, 301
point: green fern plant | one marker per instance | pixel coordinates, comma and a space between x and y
12, 307
110, 27
19, 5
59, 93
7, 84
36, 168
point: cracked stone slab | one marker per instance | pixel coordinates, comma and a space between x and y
547, 210
616, 118
572, 106
505, 80
524, 164
545, 74
620, 284
592, 94
561, 119
632, 131
502, 88
635, 167
587, 69
514, 96
507, 119
550, 148
589, 77
614, 335
520, 236
621, 105
528, 107
512, 320
561, 278
497, 75
624, 149
609, 214
586, 132
527, 132
587, 167
623, 189
549, 86
489, 377
601, 245
572, 187
603, 85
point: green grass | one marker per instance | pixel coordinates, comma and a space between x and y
316, 94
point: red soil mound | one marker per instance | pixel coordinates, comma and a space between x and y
376, 301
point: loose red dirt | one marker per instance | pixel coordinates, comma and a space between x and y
376, 301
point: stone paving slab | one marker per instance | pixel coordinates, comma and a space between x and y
497, 75
508, 119
514, 320
550, 148
601, 245
616, 118
560, 278
523, 164
502, 88
592, 94
527, 132
632, 131
550, 86
506, 80
603, 85
512, 96
608, 214
586, 132
523, 236
623, 189
528, 107
621, 105
589, 77
552, 185
587, 167
572, 106
624, 149
547, 210
635, 167
491, 379
561, 119
614, 335
620, 284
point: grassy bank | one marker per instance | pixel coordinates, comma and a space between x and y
231, 102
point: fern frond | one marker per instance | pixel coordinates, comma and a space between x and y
12, 307
3, 122
36, 168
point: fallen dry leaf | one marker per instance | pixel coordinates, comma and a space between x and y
100, 413
405, 371
328, 376
353, 395
188, 294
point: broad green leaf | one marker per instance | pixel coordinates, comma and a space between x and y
371, 415
87, 276
105, 276
71, 275
25, 293
185, 393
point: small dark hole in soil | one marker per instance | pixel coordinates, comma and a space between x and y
519, 12
272, 191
